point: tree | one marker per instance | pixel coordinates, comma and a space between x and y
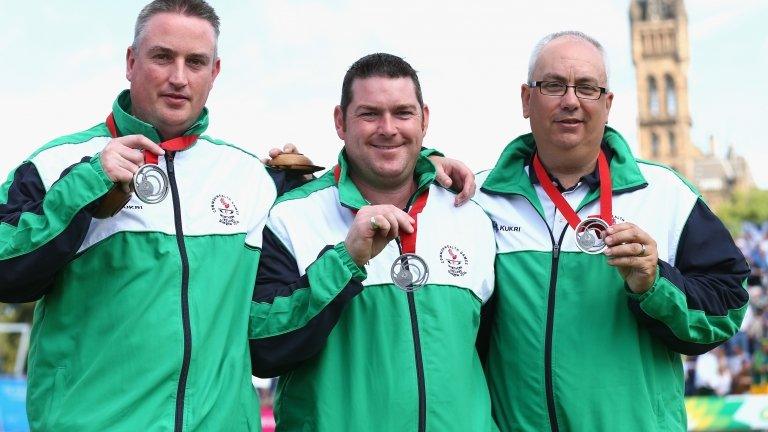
744, 206
9, 342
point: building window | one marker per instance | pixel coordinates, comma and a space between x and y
654, 145
653, 97
672, 144
671, 95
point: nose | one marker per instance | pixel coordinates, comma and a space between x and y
387, 125
569, 101
178, 76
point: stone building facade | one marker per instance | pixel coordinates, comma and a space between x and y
660, 52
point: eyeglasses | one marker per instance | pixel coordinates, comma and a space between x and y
556, 88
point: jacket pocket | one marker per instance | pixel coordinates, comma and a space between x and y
54, 401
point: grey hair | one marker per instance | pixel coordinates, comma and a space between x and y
191, 8
574, 34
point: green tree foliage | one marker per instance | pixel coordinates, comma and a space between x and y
747, 206
9, 342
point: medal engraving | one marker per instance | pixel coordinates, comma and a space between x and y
409, 272
150, 184
590, 234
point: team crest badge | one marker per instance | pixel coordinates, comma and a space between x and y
455, 259
225, 209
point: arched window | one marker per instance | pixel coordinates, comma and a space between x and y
671, 95
654, 145
672, 144
653, 97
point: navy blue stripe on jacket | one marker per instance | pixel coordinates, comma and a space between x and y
710, 271
278, 276
28, 277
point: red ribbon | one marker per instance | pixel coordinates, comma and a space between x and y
175, 144
407, 240
606, 210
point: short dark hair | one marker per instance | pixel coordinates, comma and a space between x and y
378, 65
192, 8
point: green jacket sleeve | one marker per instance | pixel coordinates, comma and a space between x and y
42, 228
293, 313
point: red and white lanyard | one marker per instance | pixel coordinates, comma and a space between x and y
407, 240
175, 144
606, 210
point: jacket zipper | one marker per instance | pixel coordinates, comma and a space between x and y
182, 387
419, 361
550, 325
549, 388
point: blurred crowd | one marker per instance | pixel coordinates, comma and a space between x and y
740, 365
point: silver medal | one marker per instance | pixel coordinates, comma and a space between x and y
409, 272
590, 235
150, 183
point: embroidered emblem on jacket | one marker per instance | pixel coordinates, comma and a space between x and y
225, 209
456, 260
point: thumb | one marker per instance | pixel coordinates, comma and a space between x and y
443, 179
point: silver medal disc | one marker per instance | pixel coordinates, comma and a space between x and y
409, 272
150, 183
590, 235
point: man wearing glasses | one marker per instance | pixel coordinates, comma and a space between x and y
607, 267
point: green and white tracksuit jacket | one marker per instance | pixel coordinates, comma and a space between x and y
571, 348
142, 318
355, 352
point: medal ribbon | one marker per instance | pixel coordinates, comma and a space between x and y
407, 240
175, 144
606, 210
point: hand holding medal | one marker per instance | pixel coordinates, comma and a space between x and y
634, 254
631, 250
121, 159
373, 227
131, 162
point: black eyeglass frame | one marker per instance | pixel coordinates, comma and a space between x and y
538, 84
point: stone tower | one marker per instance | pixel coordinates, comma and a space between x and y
660, 54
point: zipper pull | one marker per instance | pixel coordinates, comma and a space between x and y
556, 251
169, 161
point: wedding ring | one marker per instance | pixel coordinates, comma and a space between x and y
642, 251
374, 225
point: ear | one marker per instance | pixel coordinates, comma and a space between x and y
424, 120
608, 103
525, 96
216, 69
130, 62
338, 120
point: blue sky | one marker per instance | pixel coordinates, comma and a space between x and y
283, 61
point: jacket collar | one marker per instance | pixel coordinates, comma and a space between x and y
350, 196
127, 124
592, 180
510, 177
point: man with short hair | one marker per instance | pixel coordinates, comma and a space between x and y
142, 317
607, 267
369, 291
